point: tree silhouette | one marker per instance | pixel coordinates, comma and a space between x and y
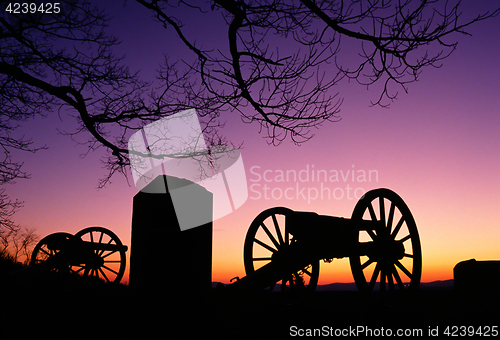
64, 62
15, 242
282, 58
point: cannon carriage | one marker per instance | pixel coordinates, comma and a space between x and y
91, 252
283, 248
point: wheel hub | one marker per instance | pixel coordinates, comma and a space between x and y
388, 250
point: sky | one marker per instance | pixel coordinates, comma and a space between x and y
437, 146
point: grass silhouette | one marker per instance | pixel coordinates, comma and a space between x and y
65, 306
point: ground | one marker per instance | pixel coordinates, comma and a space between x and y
70, 308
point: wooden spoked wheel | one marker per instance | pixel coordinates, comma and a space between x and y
268, 238
50, 246
395, 262
105, 258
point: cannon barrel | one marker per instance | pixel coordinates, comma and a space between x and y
328, 237
101, 246
303, 223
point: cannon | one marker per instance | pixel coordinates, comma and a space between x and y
283, 248
91, 252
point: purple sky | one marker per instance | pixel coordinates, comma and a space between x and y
437, 147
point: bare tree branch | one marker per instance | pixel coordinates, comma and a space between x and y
280, 65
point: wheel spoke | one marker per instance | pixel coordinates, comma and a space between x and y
398, 226
102, 272
398, 278
111, 270
374, 276
271, 237
403, 268
390, 218
100, 242
278, 231
112, 252
41, 249
79, 270
407, 237
254, 259
265, 245
287, 238
390, 281
372, 212
382, 280
372, 235
382, 209
366, 264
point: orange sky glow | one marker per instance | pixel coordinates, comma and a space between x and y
438, 147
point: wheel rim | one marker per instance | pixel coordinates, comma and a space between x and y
108, 265
267, 237
384, 270
48, 247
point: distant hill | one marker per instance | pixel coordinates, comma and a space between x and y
338, 287
446, 284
